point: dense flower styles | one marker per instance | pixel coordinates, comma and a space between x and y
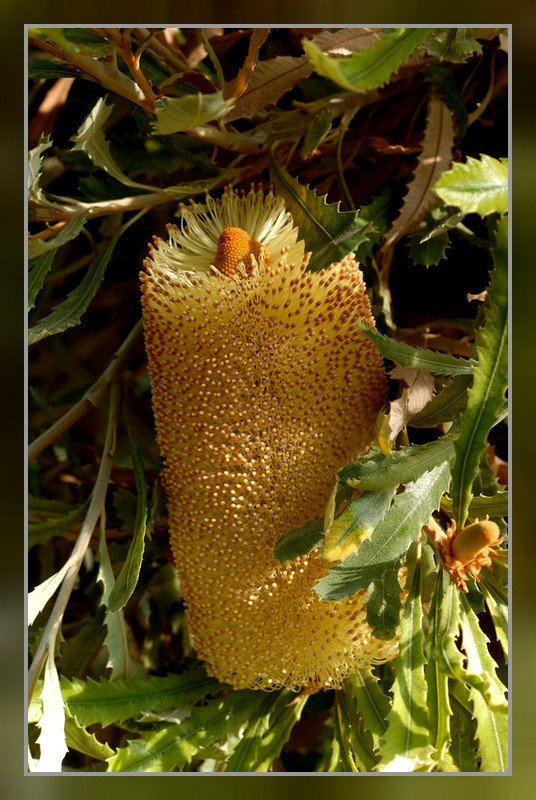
263, 387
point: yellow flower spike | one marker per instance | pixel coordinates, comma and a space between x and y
263, 387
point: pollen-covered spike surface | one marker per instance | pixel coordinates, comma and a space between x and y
263, 387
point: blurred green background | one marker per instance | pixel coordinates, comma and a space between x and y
276, 12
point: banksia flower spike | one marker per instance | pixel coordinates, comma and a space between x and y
263, 387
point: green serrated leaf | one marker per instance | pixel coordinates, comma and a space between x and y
90, 139
445, 406
377, 471
371, 702
40, 532
384, 605
52, 723
266, 733
491, 734
425, 249
175, 114
444, 83
356, 747
407, 737
390, 539
170, 747
116, 701
82, 40
428, 360
372, 67
328, 233
39, 247
299, 541
355, 524
486, 396
377, 216
494, 506
481, 669
35, 163
476, 186
127, 579
70, 311
81, 647
439, 707
453, 44
38, 270
116, 639
463, 745
45, 68
317, 131
499, 613
79, 739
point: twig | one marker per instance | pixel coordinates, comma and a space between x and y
91, 399
48, 639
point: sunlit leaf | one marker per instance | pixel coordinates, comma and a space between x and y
390, 539
175, 114
355, 524
78, 738
263, 738
374, 66
377, 471
170, 747
116, 640
115, 701
408, 735
52, 723
476, 186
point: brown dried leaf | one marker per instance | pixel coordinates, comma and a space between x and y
414, 397
238, 86
435, 158
275, 76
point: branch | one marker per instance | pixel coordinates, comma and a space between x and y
96, 506
91, 399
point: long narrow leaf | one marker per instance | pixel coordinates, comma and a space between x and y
439, 708
52, 723
486, 396
428, 360
115, 701
407, 738
378, 472
70, 311
127, 579
39, 247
